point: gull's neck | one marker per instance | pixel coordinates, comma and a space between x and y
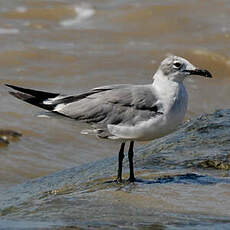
172, 95
164, 85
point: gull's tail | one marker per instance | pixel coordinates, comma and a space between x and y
34, 97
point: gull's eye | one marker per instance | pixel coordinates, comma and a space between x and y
177, 65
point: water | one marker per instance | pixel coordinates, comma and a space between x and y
172, 191
68, 46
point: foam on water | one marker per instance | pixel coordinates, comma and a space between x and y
43, 116
9, 31
83, 12
21, 9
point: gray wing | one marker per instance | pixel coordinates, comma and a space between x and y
116, 104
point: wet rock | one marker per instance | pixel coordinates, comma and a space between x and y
219, 162
175, 175
6, 136
215, 164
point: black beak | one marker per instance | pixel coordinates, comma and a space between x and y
200, 72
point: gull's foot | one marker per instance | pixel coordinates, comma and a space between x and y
117, 181
132, 180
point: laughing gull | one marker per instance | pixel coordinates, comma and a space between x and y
125, 112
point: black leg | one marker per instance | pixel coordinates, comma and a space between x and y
131, 175
120, 160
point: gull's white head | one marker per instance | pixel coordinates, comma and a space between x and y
176, 69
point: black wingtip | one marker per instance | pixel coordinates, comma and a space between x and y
14, 87
35, 93
11, 86
21, 89
21, 96
31, 96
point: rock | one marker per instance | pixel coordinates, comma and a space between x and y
6, 136
3, 141
216, 163
179, 185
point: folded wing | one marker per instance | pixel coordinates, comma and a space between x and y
103, 106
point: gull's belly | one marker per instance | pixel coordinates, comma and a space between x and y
168, 122
149, 130
160, 127
164, 124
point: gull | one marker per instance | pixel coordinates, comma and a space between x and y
125, 112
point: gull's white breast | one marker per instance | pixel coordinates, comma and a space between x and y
173, 105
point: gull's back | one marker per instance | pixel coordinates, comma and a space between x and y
118, 105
